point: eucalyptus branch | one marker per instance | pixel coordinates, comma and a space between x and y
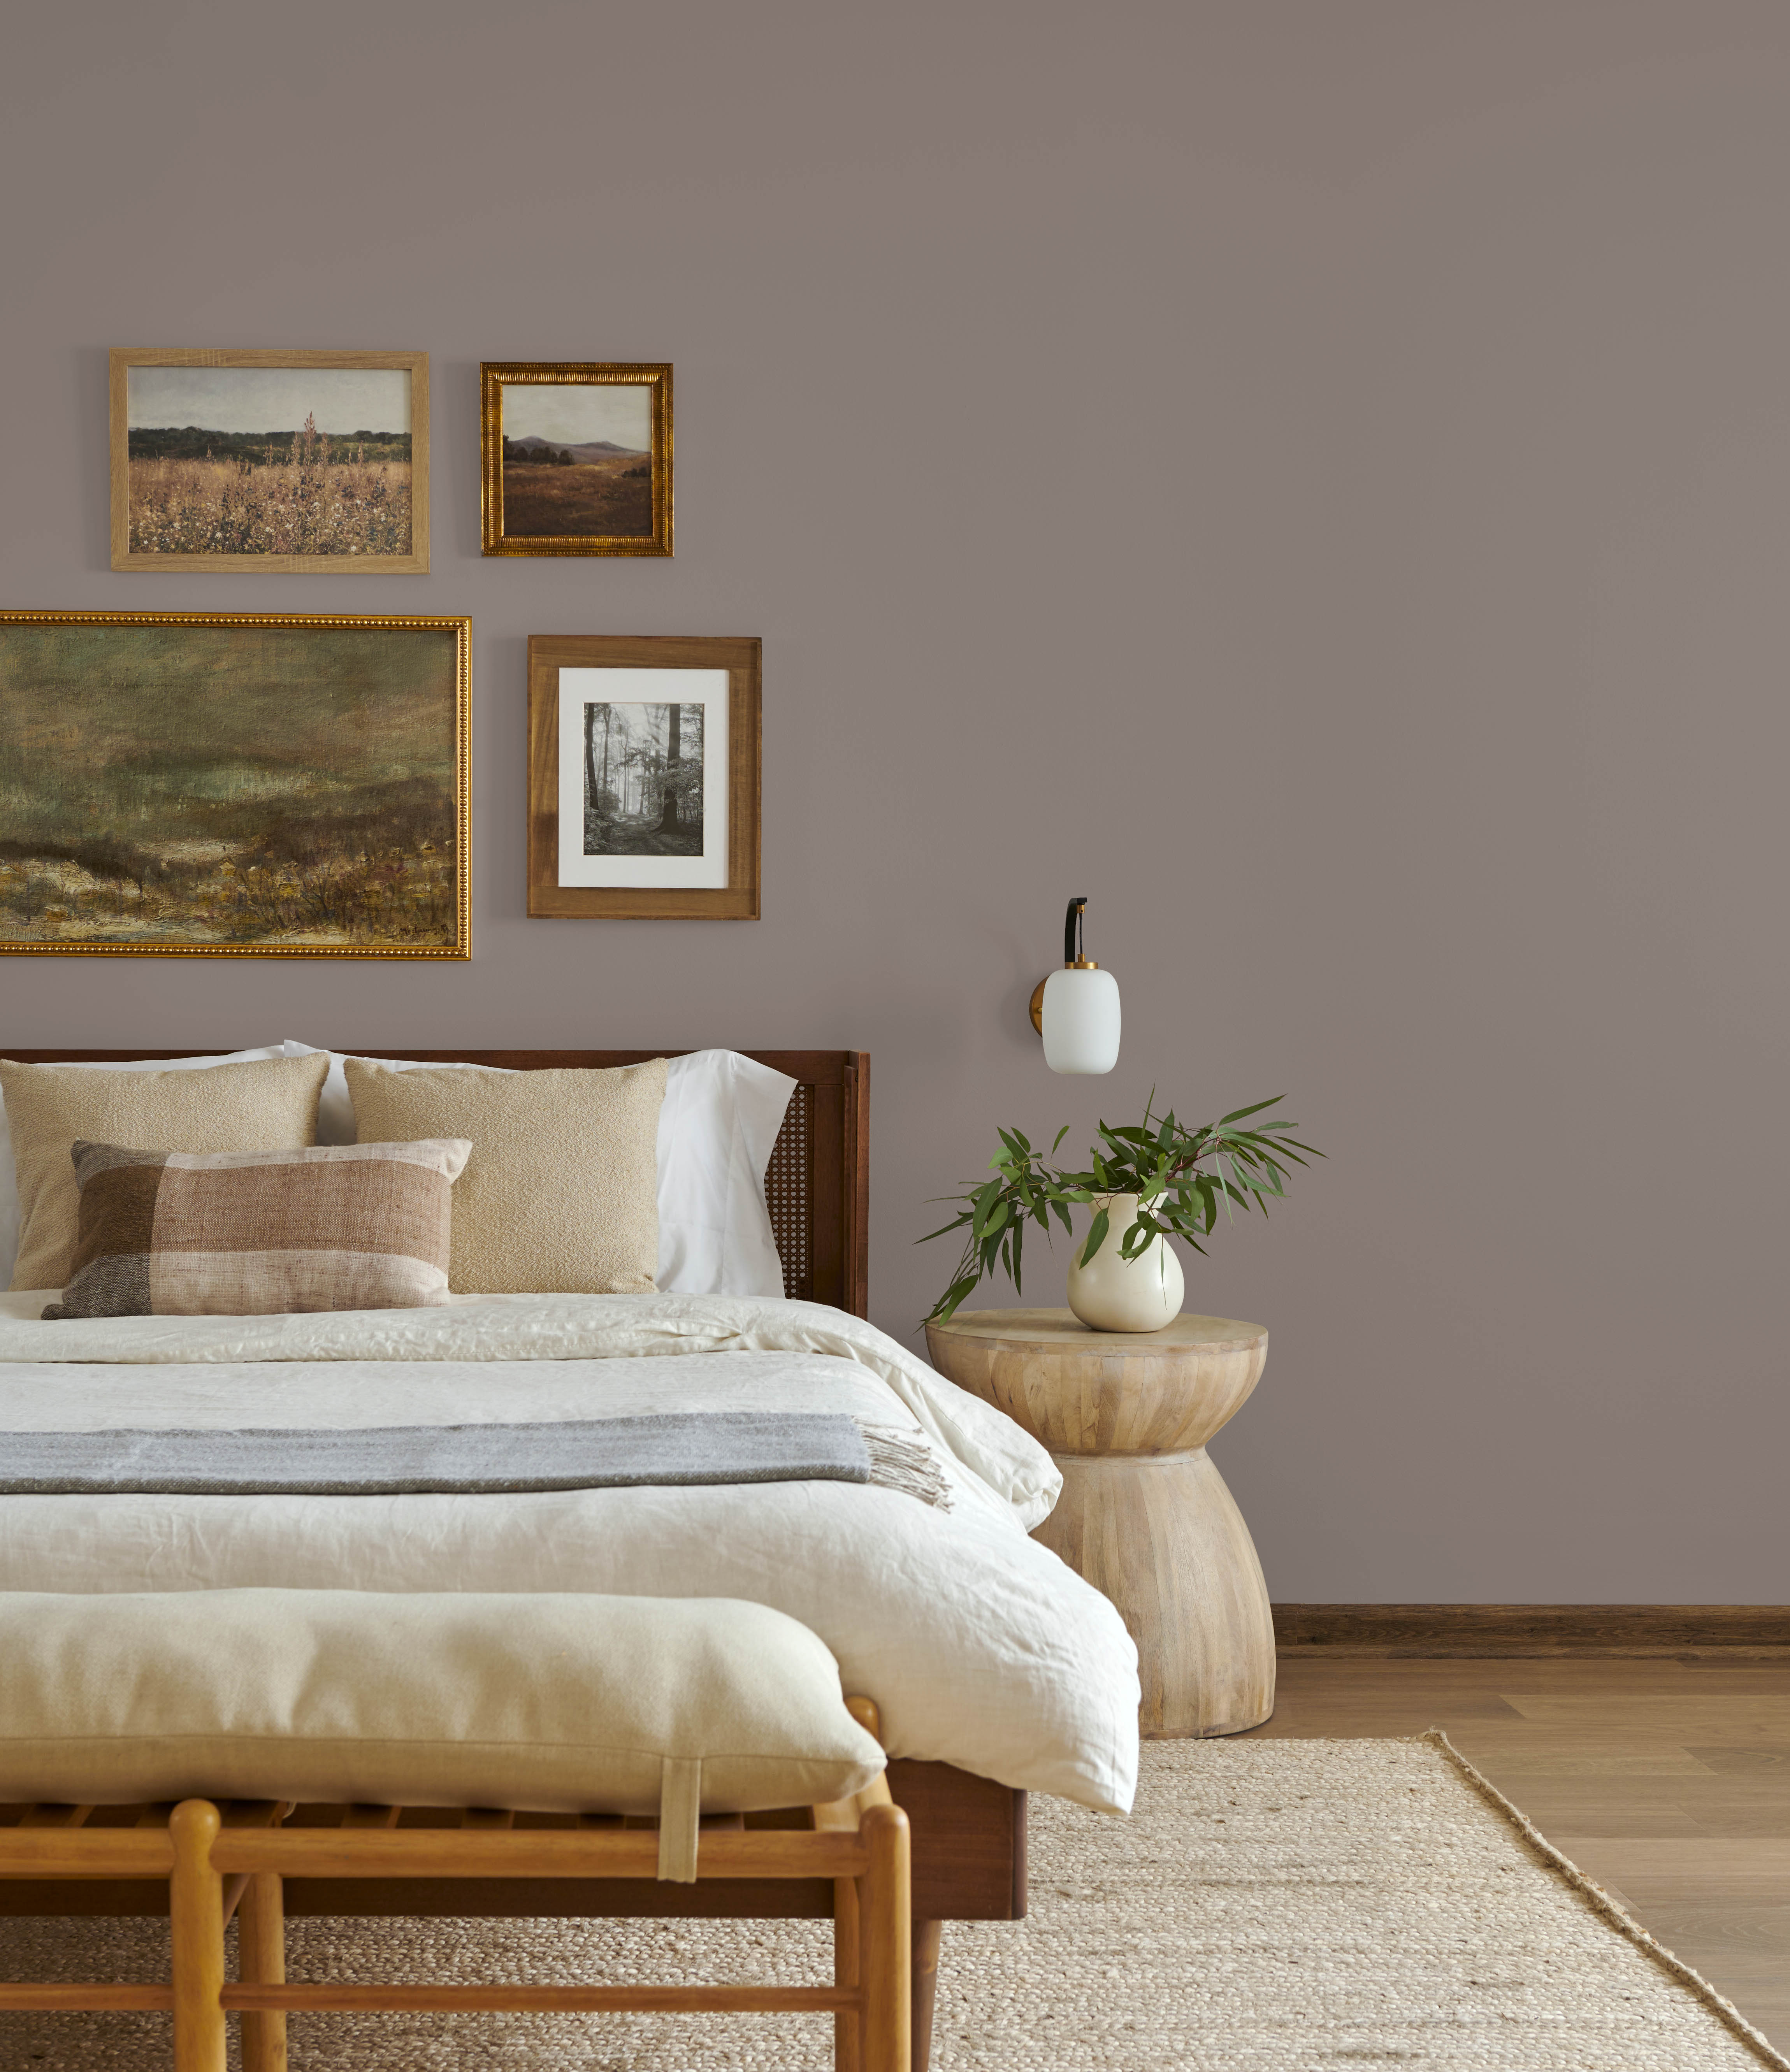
1159, 1160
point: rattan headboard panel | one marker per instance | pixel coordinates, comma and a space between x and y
817, 1184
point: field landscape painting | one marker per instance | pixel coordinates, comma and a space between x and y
177, 784
308, 465
578, 459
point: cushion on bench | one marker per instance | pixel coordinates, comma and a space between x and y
557, 1704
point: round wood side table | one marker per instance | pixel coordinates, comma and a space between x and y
1144, 1515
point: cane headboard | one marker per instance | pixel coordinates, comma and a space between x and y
817, 1184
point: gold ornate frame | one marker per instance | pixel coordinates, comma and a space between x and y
655, 376
461, 948
416, 562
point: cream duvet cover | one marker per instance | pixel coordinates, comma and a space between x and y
979, 1646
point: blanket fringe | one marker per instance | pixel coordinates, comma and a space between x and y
902, 1461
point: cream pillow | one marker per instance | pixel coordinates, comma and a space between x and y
557, 1704
560, 1195
268, 1105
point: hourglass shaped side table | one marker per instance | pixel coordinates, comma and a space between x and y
1144, 1515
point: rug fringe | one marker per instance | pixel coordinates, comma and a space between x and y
1600, 1903
902, 1461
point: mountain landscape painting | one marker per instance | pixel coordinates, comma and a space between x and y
577, 466
284, 788
269, 468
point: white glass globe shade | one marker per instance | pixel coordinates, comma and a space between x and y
1080, 1014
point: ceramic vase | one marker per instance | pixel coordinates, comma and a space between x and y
1109, 1295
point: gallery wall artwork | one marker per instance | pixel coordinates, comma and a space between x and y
236, 785
264, 462
644, 778
577, 456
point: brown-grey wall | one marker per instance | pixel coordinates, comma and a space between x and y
1314, 479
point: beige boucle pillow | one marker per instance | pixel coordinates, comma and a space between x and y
267, 1105
561, 1194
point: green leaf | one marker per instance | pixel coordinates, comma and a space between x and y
1096, 1237
1255, 1107
952, 1299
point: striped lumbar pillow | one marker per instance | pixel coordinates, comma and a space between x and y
250, 1233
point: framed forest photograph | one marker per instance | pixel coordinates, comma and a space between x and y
222, 784
643, 777
577, 456
268, 463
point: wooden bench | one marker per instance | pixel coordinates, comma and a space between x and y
234, 1858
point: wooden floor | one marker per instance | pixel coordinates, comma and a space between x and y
1667, 1780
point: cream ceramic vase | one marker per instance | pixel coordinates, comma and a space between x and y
1108, 1295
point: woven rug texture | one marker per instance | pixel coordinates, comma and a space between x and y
1270, 1906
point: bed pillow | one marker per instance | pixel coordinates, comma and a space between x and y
722, 1115
9, 1185
266, 1104
260, 1233
560, 1194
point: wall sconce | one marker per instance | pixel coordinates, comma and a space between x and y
1076, 1009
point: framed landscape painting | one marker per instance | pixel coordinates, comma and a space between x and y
306, 463
577, 456
223, 784
643, 769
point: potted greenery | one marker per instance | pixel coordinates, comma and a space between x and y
1144, 1182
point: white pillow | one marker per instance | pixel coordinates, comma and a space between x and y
717, 1129
10, 1214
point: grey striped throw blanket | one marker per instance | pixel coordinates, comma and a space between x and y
675, 1450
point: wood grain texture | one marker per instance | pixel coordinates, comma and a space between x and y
1666, 1779
741, 658
1164, 1540
1144, 1515
196, 1908
1077, 1390
416, 562
885, 1924
1468, 1629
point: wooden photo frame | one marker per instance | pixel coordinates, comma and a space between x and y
221, 466
656, 834
576, 457
188, 783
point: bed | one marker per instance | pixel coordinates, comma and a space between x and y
997, 1670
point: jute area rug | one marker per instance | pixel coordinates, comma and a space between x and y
1271, 1906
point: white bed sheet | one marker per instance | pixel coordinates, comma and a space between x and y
981, 1647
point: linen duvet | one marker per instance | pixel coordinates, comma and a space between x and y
981, 1647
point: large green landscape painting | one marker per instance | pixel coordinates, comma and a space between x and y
279, 789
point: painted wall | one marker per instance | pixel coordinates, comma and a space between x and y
1314, 479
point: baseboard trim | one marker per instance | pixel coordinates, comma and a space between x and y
1467, 1629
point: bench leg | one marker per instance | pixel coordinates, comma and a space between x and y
196, 1908
847, 1932
261, 1961
925, 1989
887, 1908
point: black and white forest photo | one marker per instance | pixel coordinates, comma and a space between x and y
643, 779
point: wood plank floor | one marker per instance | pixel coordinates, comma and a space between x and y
1667, 1780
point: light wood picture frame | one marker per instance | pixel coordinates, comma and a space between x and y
263, 462
624, 822
576, 457
236, 784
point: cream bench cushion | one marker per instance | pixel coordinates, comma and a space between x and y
557, 1704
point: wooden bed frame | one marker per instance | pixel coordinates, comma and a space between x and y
968, 1834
